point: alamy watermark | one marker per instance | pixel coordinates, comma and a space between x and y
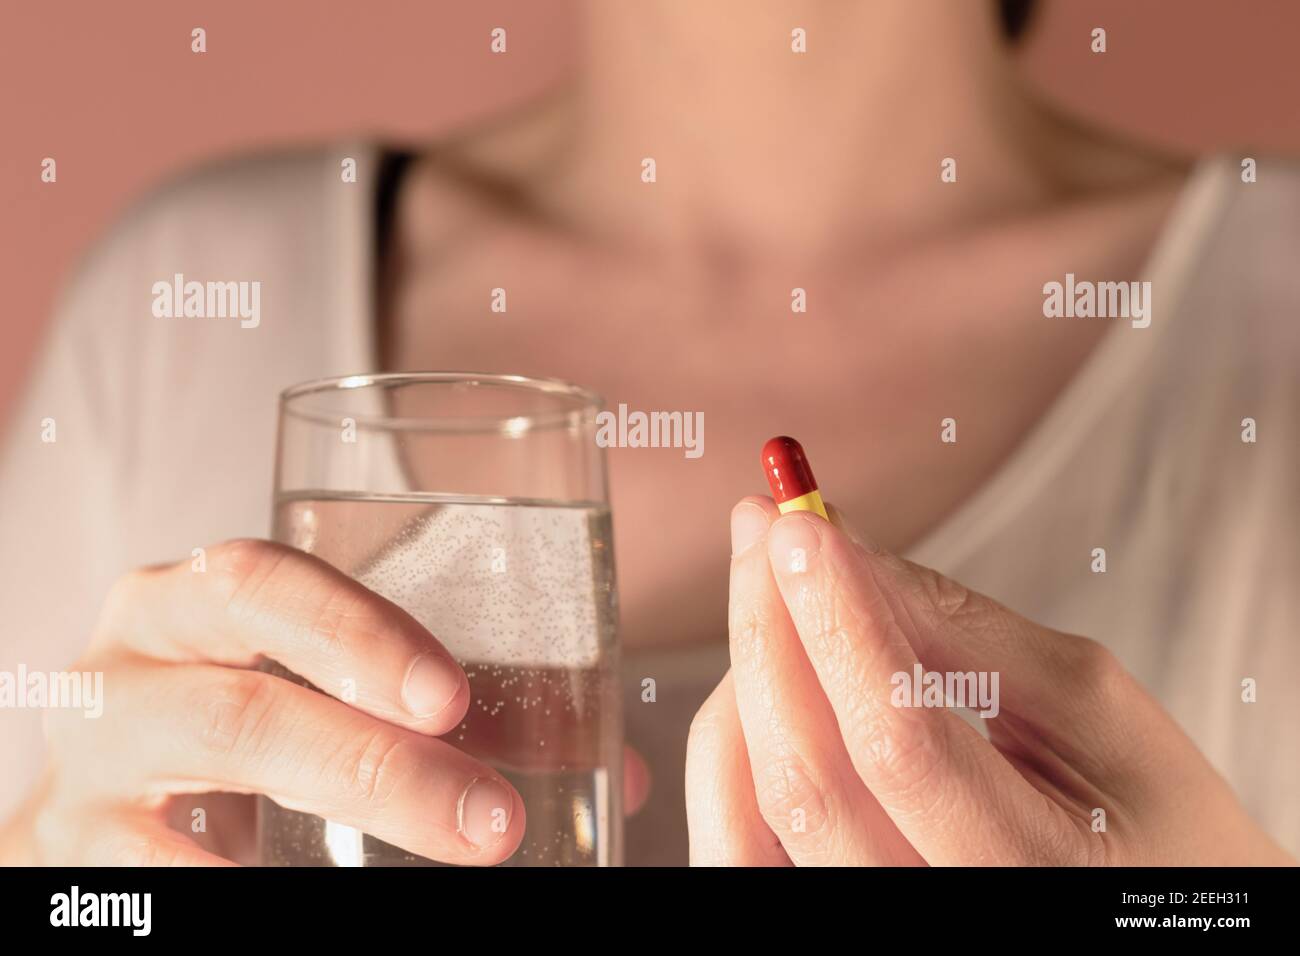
208, 300
1103, 300
976, 690
75, 908
651, 430
64, 690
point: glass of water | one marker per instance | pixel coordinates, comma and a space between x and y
478, 504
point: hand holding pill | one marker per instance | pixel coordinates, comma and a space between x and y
835, 739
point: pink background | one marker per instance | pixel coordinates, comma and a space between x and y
114, 95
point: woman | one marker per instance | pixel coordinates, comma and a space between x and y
1081, 444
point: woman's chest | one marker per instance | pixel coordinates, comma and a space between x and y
904, 401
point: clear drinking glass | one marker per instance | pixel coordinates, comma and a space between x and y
478, 504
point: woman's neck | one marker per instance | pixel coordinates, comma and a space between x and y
761, 150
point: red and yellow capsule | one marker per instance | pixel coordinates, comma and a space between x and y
790, 477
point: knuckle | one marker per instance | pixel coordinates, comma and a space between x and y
123, 595
904, 754
790, 799
340, 619
831, 624
746, 628
1058, 837
376, 768
709, 726
705, 731
708, 748
710, 743
233, 717
947, 599
1088, 847
1098, 669
326, 614
238, 567
141, 850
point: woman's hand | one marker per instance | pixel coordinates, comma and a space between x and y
804, 753
184, 714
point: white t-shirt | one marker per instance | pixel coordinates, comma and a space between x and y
165, 432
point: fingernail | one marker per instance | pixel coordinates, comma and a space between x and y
431, 683
793, 542
748, 525
483, 814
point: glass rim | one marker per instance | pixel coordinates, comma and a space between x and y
586, 401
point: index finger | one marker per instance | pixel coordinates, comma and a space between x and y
257, 598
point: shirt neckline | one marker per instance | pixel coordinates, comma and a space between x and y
1121, 353
1035, 459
